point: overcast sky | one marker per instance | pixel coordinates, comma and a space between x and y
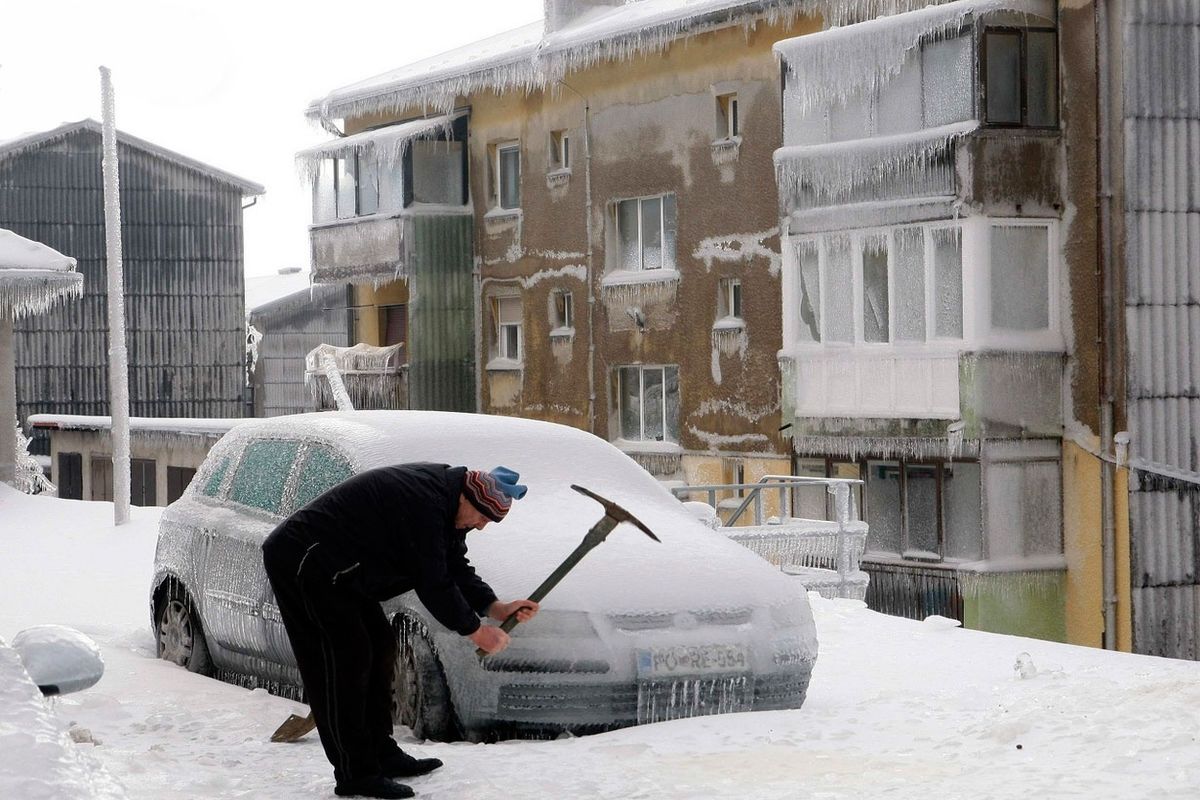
224, 81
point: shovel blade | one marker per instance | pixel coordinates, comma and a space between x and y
293, 728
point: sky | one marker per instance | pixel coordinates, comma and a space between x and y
225, 82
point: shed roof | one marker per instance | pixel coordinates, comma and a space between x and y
10, 148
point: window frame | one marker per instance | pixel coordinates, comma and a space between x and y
641, 243
560, 150
642, 369
729, 299
500, 148
728, 116
499, 329
1022, 34
562, 319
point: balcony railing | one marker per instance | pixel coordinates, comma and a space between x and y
823, 553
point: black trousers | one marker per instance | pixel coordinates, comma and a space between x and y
346, 652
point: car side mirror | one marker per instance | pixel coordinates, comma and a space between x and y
60, 660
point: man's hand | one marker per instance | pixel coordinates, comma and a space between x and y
524, 609
489, 639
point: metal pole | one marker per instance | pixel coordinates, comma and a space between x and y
8, 399
118, 358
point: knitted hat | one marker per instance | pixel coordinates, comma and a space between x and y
493, 492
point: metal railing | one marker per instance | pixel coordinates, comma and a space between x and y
825, 553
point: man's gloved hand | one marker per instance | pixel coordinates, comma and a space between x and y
489, 639
524, 609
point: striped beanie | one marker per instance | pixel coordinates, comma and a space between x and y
493, 492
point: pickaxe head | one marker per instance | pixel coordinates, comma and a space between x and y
615, 512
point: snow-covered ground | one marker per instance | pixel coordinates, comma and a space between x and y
896, 709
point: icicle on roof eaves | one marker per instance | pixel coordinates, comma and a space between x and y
22, 144
844, 62
535, 60
387, 143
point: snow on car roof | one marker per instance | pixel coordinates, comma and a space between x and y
627, 573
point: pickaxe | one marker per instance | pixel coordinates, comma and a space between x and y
614, 515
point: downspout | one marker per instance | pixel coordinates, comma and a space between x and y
1106, 317
591, 290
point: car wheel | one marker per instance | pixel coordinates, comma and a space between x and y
420, 696
177, 632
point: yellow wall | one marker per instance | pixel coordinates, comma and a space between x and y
368, 299
1082, 545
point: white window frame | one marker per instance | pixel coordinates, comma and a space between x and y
562, 323
976, 275
498, 195
662, 231
729, 299
560, 150
501, 329
642, 368
729, 119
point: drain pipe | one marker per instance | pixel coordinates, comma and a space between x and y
1106, 317
591, 291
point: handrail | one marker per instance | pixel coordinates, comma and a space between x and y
781, 484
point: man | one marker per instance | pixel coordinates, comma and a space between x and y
372, 537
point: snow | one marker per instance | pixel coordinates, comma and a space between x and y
896, 708
80, 422
386, 143
840, 63
264, 289
55, 655
33, 276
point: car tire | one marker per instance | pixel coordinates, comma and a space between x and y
178, 635
420, 695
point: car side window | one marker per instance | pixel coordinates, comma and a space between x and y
262, 473
323, 469
217, 476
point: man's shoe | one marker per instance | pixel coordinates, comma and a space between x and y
399, 764
375, 786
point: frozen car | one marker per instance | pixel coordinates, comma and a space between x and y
640, 631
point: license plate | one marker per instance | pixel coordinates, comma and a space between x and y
692, 660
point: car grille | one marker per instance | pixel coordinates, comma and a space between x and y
663, 619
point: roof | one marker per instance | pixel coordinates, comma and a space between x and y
10, 148
34, 276
530, 58
262, 290
181, 425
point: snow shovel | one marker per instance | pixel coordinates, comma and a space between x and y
294, 728
614, 515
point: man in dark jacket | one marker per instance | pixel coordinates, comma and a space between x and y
376, 535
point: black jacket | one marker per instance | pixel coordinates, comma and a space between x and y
388, 530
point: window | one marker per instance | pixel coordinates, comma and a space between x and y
560, 150
562, 312
323, 469
728, 125
1020, 268
262, 473
924, 511
143, 489
178, 479
905, 284
648, 399
507, 313
353, 185
645, 229
216, 477
69, 476
507, 174
1020, 77
729, 299
437, 172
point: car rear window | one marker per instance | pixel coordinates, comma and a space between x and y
323, 469
264, 470
216, 477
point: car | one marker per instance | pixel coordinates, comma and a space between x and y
639, 631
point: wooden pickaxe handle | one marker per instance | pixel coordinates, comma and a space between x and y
613, 515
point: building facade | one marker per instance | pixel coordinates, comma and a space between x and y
183, 269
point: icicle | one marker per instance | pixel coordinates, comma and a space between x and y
368, 376
386, 144
28, 476
858, 59
253, 338
726, 151
852, 447
830, 174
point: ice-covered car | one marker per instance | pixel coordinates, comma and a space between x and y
640, 631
